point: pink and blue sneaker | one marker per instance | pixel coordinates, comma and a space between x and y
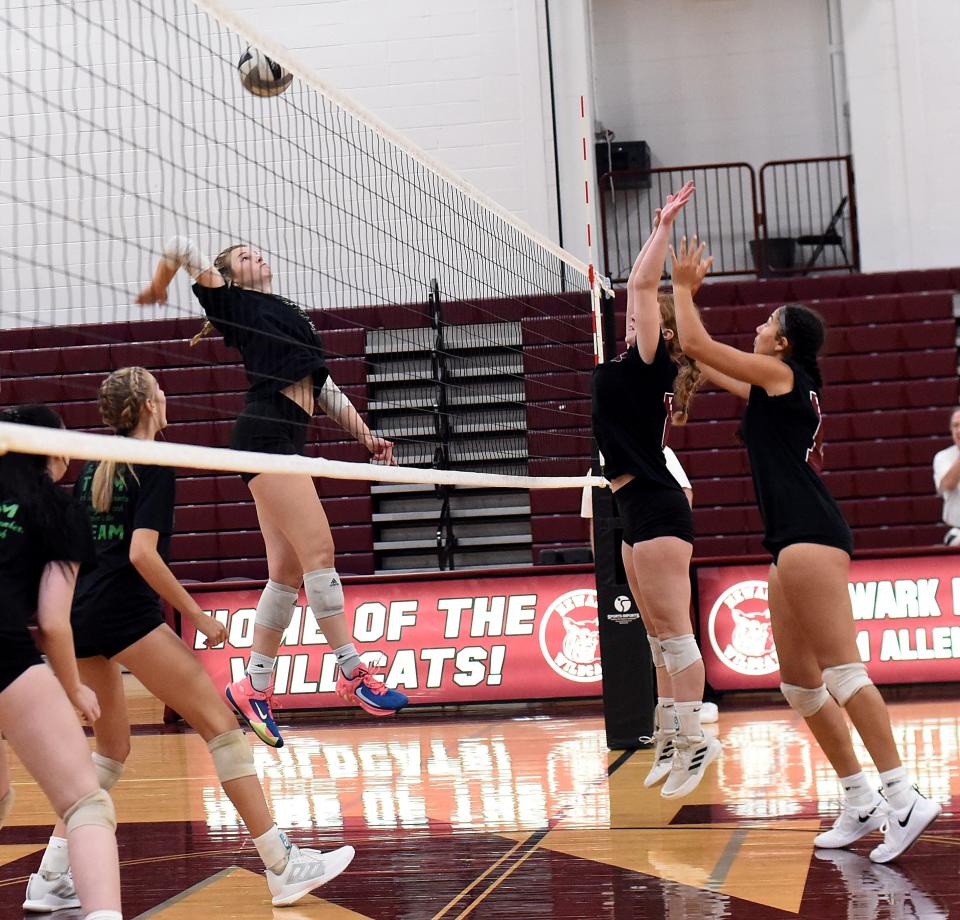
253, 706
370, 694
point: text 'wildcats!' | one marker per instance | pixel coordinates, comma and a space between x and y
452, 641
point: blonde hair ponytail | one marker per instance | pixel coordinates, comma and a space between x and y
690, 376
121, 399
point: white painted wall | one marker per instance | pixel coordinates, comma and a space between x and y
707, 81
903, 74
461, 78
101, 171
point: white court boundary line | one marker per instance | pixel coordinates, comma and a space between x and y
227, 17
79, 445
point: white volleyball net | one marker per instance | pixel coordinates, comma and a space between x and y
456, 331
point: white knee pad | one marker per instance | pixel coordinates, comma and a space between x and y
232, 757
108, 771
324, 592
275, 607
656, 651
94, 809
6, 805
844, 680
806, 701
679, 652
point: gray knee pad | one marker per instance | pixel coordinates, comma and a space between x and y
275, 607
108, 771
806, 701
656, 651
95, 809
232, 757
679, 652
324, 592
844, 680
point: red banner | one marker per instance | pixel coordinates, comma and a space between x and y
467, 640
907, 613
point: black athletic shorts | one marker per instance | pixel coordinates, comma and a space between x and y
272, 424
108, 634
648, 510
838, 537
17, 654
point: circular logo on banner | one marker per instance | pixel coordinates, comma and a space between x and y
570, 636
740, 632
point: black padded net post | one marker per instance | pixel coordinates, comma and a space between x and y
454, 330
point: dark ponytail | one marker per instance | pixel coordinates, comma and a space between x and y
24, 478
806, 331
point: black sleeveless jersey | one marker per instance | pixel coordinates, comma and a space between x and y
784, 439
632, 403
275, 337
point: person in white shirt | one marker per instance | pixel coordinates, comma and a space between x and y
946, 478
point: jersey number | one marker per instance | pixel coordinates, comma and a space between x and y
815, 450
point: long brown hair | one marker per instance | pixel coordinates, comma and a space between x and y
222, 264
121, 399
690, 376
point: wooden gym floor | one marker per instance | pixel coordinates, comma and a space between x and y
503, 814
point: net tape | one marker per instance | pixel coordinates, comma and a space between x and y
30, 439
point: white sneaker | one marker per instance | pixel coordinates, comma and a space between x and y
709, 713
852, 824
662, 757
306, 870
903, 827
44, 896
691, 758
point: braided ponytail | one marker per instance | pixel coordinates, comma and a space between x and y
222, 264
805, 331
690, 376
121, 399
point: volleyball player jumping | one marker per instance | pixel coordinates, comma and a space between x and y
634, 398
44, 536
283, 358
117, 619
811, 544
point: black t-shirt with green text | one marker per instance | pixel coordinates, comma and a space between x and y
143, 498
29, 541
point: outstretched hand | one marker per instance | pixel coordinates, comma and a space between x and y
674, 205
152, 293
382, 450
688, 267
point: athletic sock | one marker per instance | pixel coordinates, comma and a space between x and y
898, 787
856, 790
56, 858
347, 659
274, 849
665, 713
105, 915
688, 718
260, 670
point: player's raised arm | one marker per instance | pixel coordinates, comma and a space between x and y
179, 252
725, 361
643, 309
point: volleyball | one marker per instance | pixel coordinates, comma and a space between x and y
261, 75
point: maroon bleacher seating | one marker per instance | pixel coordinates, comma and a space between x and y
890, 371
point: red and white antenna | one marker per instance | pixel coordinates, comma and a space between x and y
588, 205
